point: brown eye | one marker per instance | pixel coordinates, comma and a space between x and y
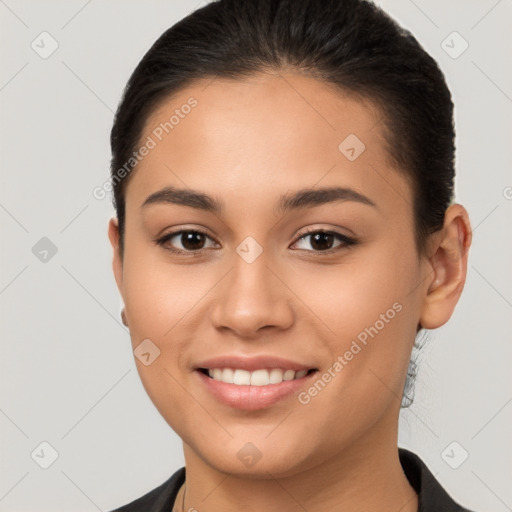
322, 241
191, 240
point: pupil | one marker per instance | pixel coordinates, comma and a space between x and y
190, 240
322, 236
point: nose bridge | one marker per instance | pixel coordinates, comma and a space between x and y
251, 296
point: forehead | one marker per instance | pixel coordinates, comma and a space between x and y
267, 132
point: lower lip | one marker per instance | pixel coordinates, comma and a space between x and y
252, 398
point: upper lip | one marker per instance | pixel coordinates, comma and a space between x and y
252, 363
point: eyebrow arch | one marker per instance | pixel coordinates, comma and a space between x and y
304, 198
184, 197
309, 198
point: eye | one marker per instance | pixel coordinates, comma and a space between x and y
322, 240
191, 240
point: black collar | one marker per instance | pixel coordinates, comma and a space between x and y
431, 495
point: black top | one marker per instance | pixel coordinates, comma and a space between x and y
431, 496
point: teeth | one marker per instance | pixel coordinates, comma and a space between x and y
289, 375
241, 377
256, 378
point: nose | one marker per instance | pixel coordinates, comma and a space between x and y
252, 297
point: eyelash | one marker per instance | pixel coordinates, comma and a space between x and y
346, 241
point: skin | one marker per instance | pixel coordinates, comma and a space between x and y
246, 143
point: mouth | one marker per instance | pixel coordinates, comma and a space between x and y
259, 377
253, 390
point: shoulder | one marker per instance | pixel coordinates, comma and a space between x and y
432, 497
159, 499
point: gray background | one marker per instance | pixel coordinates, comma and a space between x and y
67, 372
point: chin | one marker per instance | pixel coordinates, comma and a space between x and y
259, 460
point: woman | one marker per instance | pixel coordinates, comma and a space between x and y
283, 180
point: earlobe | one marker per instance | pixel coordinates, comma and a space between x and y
117, 262
448, 268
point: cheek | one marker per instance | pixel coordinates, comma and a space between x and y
369, 335
353, 295
164, 304
367, 313
159, 300
156, 294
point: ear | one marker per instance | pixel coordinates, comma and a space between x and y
448, 267
117, 261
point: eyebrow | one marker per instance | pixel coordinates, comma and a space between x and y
304, 198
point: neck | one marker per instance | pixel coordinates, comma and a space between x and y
367, 475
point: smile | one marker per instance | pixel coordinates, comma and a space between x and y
253, 390
261, 377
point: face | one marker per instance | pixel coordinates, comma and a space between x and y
330, 282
